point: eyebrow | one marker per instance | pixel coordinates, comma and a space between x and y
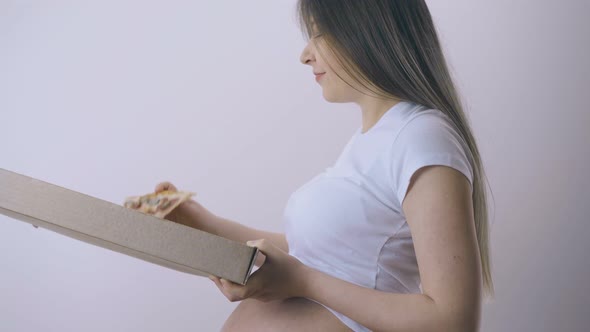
314, 29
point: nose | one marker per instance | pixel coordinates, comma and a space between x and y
306, 55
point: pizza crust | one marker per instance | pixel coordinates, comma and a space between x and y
160, 204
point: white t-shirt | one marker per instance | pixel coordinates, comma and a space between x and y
348, 221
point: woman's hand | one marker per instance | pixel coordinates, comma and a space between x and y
280, 277
189, 213
180, 213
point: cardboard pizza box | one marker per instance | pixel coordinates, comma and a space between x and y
123, 230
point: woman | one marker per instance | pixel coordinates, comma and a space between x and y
394, 236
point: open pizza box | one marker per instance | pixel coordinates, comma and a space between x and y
123, 230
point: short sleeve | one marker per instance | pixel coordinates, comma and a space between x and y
426, 139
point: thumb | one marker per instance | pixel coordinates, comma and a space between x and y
265, 246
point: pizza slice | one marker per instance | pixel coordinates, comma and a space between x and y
160, 204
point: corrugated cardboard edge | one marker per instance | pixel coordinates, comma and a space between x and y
123, 230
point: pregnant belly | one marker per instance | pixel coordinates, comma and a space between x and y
295, 314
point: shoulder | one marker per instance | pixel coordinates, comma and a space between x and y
426, 138
428, 129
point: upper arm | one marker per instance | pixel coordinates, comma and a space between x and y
426, 140
438, 209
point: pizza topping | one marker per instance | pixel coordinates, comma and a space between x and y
168, 204
160, 204
153, 201
164, 203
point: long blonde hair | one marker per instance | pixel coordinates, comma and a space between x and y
391, 47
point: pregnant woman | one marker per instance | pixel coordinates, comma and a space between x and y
393, 236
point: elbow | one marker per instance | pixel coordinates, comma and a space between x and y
457, 316
451, 317
464, 322
463, 327
460, 327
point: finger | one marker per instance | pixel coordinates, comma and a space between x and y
162, 186
216, 281
229, 285
221, 288
165, 186
234, 291
266, 247
133, 204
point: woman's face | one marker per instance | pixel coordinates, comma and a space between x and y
333, 87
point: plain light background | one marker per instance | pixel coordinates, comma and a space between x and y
111, 97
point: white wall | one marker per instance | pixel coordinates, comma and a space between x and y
109, 97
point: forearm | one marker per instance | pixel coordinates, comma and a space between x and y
241, 233
381, 311
199, 217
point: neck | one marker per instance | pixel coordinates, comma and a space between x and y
373, 109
